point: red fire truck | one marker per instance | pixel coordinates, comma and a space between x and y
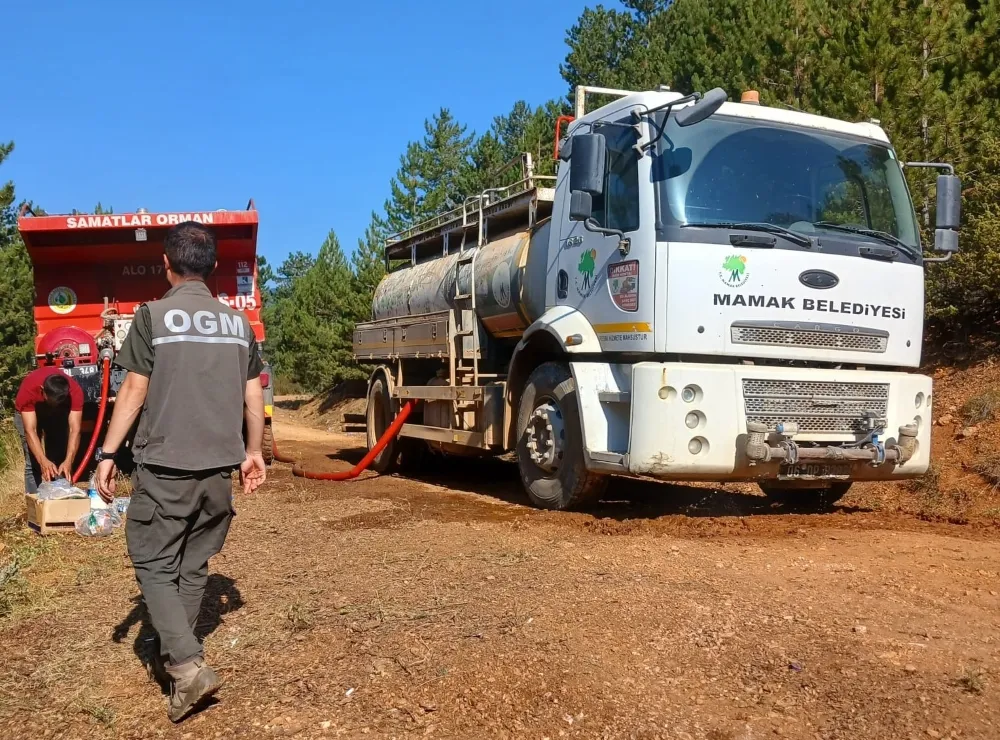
91, 272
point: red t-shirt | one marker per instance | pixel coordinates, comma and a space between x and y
31, 393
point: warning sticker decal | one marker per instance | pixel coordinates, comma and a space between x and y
244, 284
623, 282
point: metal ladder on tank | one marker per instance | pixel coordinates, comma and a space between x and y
462, 372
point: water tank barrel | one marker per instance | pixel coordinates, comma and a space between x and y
500, 267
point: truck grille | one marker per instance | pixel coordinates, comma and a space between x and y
817, 407
816, 336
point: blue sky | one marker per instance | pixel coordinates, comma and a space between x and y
304, 106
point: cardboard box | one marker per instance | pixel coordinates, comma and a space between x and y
57, 515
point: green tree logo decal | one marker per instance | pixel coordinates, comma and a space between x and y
734, 271
586, 268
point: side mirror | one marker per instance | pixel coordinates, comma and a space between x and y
588, 161
949, 213
709, 104
581, 205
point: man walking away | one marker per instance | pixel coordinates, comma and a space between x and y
193, 379
48, 408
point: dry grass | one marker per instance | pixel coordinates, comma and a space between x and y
11, 471
981, 407
972, 681
987, 465
17, 552
928, 488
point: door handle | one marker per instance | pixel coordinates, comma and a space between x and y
573, 241
562, 284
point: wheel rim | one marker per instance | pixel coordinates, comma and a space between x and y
546, 436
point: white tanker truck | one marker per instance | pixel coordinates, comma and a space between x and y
707, 291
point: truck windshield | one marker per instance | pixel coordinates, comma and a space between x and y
731, 170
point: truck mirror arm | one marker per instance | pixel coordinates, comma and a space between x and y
624, 243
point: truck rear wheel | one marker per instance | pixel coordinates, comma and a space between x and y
550, 442
378, 417
267, 448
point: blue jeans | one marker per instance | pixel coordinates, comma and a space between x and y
54, 439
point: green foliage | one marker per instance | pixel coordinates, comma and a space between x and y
17, 297
310, 321
428, 180
368, 267
265, 278
523, 130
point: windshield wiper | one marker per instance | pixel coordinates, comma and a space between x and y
793, 236
883, 236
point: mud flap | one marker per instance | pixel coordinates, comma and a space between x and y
603, 392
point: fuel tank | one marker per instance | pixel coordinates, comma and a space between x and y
509, 283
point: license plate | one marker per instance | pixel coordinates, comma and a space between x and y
810, 471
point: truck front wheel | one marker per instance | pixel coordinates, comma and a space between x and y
550, 442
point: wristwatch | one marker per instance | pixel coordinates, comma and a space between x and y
101, 455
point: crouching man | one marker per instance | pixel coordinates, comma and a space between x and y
193, 379
48, 411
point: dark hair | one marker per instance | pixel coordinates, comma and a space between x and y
56, 389
190, 248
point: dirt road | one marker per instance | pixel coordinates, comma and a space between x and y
444, 607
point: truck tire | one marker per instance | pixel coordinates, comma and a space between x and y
268, 445
550, 442
378, 417
821, 497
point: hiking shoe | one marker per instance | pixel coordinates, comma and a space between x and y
193, 683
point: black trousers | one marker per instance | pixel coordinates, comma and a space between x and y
177, 520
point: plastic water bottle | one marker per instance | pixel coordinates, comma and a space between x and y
120, 505
96, 502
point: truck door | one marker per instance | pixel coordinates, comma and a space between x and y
595, 277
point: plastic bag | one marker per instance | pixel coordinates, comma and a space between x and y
98, 523
120, 505
59, 488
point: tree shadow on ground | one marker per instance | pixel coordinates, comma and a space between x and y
352, 455
221, 597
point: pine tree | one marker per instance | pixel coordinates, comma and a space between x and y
429, 178
17, 327
98, 210
523, 130
405, 204
265, 279
313, 345
368, 268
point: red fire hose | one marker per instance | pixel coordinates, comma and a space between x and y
105, 381
279, 456
354, 472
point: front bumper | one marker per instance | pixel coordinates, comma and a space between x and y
681, 421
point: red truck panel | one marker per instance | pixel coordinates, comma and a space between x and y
81, 261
